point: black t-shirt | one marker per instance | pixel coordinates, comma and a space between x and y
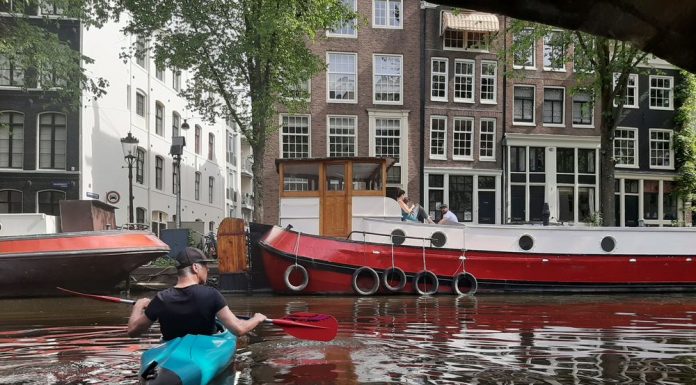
188, 310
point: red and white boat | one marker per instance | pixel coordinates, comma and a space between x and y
346, 240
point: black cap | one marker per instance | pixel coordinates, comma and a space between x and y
189, 256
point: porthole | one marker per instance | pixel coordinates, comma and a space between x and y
398, 237
526, 242
438, 239
608, 243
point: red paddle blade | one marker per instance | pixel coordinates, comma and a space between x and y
104, 298
309, 326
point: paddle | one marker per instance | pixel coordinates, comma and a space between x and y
306, 326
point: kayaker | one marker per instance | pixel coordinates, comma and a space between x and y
190, 307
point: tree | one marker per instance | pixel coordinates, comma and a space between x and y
44, 57
685, 138
246, 57
605, 68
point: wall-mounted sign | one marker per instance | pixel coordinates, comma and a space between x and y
92, 195
63, 185
113, 197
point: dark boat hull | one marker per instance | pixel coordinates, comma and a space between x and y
90, 261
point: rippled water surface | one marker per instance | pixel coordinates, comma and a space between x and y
485, 339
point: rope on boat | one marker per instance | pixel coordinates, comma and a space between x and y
297, 246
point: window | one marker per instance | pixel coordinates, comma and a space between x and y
159, 119
342, 73
438, 79
464, 81
175, 177
140, 166
140, 103
387, 14
159, 72
211, 146
489, 71
461, 196
438, 137
140, 51
211, 189
11, 74
553, 105
626, 147
523, 105
565, 160
11, 140
159, 169
661, 153
463, 139
176, 124
298, 91
49, 201
346, 28
197, 186
388, 144
295, 136
140, 215
230, 146
466, 40
199, 146
388, 81
487, 139
661, 92
586, 161
176, 80
631, 99
554, 51
583, 109
52, 141
524, 58
10, 201
342, 131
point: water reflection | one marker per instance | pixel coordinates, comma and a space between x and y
399, 340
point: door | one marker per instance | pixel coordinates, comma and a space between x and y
336, 207
486, 200
631, 210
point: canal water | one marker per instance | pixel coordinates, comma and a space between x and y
485, 339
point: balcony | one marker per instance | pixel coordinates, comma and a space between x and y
248, 201
246, 168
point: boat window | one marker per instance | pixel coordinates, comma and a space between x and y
335, 177
367, 176
301, 177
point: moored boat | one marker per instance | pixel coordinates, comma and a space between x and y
34, 265
340, 234
189, 360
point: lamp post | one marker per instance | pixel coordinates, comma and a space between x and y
177, 149
130, 148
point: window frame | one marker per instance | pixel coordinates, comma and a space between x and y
514, 100
332, 33
564, 53
592, 110
442, 156
388, 24
329, 135
458, 130
635, 88
634, 140
354, 74
494, 78
471, 76
533, 53
211, 146
13, 70
159, 118
375, 75
433, 74
465, 39
176, 124
211, 189
670, 90
671, 148
13, 204
52, 203
490, 158
11, 140
159, 173
281, 153
52, 152
197, 186
563, 107
140, 165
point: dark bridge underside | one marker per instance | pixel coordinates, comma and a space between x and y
665, 28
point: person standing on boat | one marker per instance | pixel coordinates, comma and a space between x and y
447, 216
190, 307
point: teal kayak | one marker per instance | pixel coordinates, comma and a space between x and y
189, 360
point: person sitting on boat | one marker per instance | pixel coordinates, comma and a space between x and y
448, 217
412, 212
190, 307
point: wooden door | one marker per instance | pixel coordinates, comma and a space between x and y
232, 247
336, 207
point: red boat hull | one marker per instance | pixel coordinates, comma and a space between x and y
92, 261
331, 263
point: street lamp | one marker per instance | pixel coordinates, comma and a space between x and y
130, 148
176, 150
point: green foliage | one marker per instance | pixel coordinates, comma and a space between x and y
246, 57
595, 219
36, 46
685, 136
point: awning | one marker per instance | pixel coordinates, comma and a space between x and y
470, 21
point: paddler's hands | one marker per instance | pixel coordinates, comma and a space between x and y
258, 317
138, 321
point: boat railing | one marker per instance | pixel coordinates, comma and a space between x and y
134, 226
390, 236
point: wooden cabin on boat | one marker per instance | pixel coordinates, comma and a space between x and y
330, 196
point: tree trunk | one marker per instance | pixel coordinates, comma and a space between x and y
257, 170
606, 158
